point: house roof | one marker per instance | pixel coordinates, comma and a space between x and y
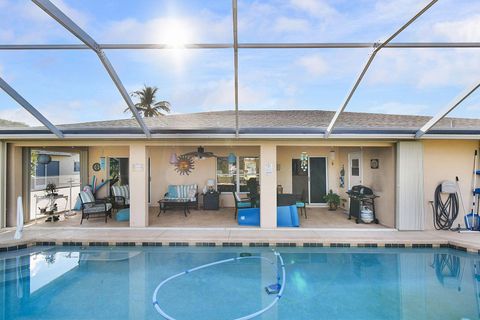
268, 121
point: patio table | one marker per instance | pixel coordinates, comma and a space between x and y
164, 204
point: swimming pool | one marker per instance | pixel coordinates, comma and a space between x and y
321, 283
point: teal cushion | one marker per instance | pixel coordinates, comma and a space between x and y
123, 215
300, 204
172, 191
245, 204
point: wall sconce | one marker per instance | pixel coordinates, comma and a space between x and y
173, 158
332, 156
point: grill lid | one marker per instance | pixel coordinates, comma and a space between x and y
360, 190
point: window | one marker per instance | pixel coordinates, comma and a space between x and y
226, 175
248, 170
231, 177
76, 166
355, 167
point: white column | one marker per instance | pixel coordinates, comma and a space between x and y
268, 185
410, 213
138, 185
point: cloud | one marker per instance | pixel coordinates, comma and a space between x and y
40, 27
284, 24
316, 8
79, 17
18, 115
204, 27
313, 64
425, 68
219, 95
467, 29
396, 108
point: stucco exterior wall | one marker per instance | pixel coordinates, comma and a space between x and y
95, 153
284, 165
444, 160
382, 181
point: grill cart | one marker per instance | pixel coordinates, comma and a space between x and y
361, 196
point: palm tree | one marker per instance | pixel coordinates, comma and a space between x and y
148, 106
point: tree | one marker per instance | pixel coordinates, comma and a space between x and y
148, 106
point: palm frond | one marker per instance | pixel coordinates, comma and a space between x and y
147, 105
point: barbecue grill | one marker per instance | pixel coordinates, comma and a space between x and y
361, 196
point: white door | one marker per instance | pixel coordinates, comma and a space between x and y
354, 169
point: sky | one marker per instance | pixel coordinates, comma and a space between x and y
72, 86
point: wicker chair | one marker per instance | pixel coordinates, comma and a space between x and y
93, 207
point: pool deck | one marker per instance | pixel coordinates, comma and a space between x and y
303, 237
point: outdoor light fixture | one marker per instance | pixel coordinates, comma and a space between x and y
232, 158
332, 156
304, 161
173, 158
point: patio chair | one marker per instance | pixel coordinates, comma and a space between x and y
121, 195
301, 203
92, 207
240, 203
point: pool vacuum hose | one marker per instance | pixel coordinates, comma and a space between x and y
250, 316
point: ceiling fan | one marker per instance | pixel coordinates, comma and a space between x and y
200, 154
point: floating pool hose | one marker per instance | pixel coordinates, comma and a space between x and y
250, 316
445, 211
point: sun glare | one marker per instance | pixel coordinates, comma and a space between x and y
176, 34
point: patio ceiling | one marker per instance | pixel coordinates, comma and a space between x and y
63, 19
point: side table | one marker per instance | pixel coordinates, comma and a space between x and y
211, 200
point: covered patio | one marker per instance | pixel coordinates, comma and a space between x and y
225, 168
318, 218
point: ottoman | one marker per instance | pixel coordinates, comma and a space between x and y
123, 215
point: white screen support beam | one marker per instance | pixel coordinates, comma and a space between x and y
449, 108
339, 111
31, 109
298, 45
235, 62
78, 32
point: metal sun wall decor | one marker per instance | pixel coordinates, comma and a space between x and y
184, 165
304, 161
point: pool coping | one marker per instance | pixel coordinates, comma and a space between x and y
347, 244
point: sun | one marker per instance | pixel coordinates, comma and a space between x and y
176, 33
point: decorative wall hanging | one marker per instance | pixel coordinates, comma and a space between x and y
96, 166
342, 177
184, 165
304, 161
232, 158
374, 163
44, 159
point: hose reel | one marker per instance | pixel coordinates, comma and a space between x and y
445, 205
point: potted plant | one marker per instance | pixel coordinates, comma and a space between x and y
333, 200
51, 189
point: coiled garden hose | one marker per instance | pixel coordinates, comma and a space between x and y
444, 212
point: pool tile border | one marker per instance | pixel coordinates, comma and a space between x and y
387, 245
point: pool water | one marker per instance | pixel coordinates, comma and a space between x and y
321, 283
